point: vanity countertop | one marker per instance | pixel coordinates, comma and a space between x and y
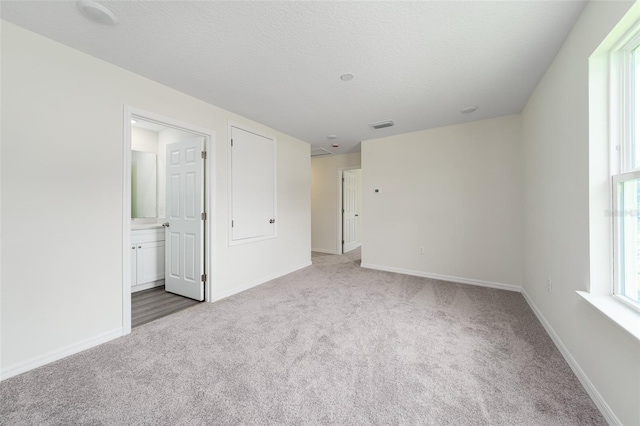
146, 226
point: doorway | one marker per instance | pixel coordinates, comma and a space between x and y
166, 230
154, 303
351, 209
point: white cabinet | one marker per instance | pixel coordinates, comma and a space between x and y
147, 259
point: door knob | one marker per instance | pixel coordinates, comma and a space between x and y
272, 220
166, 224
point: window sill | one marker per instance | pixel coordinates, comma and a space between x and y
625, 317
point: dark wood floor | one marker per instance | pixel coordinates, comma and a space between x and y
149, 305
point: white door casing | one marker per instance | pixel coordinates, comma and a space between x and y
350, 211
134, 266
209, 181
184, 241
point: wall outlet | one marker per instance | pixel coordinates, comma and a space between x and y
549, 285
420, 250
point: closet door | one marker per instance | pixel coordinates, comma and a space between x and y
253, 186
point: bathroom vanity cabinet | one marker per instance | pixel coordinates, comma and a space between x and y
147, 258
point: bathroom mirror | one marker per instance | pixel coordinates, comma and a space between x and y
143, 185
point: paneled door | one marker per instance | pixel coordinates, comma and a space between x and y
252, 185
184, 254
349, 211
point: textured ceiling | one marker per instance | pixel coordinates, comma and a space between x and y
279, 63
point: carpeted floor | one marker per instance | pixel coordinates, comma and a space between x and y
329, 344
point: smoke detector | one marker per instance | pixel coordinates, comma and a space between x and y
95, 12
381, 124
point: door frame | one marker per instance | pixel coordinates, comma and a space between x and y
341, 170
129, 113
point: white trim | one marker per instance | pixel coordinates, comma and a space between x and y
616, 309
231, 241
340, 200
357, 246
147, 286
470, 281
126, 219
621, 119
241, 288
209, 203
620, 91
55, 355
317, 250
602, 405
618, 216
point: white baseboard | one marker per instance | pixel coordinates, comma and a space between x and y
324, 251
602, 405
39, 361
471, 281
239, 289
147, 286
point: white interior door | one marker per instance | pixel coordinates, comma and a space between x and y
184, 263
349, 211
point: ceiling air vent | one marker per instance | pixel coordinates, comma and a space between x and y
381, 124
319, 152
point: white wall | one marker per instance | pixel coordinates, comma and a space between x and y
62, 197
556, 217
456, 191
144, 140
324, 199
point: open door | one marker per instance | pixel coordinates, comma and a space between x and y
184, 229
349, 211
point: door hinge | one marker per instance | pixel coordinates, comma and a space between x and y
203, 216
203, 277
232, 224
204, 155
342, 210
231, 142
343, 179
342, 242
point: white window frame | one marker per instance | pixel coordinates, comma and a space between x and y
622, 129
618, 219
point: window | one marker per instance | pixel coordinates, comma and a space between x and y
625, 92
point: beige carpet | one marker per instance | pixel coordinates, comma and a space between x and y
329, 344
